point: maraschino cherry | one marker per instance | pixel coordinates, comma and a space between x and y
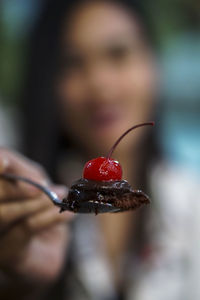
106, 168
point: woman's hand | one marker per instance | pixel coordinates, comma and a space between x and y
33, 235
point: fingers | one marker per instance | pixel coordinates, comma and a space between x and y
13, 211
11, 190
15, 163
33, 209
3, 163
27, 201
49, 216
18, 164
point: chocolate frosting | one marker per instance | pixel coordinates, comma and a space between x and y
103, 196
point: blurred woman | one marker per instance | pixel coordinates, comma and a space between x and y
92, 76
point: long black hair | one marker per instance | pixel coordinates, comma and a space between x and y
43, 138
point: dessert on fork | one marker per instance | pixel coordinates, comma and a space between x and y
102, 189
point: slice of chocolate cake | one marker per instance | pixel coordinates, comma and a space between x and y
87, 196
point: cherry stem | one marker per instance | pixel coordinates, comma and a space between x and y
125, 133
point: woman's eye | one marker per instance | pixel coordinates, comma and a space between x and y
118, 54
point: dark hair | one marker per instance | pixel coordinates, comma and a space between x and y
43, 138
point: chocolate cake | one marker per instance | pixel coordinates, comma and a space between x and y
87, 196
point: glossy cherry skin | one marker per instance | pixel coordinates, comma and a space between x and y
102, 168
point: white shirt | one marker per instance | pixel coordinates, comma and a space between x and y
172, 270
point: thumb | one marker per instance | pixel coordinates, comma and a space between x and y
4, 163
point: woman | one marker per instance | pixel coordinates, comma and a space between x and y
93, 76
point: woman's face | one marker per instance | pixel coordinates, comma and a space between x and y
108, 79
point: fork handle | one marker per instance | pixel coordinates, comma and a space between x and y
51, 195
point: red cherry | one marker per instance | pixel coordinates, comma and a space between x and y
106, 168
102, 168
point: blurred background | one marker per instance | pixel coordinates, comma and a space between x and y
177, 24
